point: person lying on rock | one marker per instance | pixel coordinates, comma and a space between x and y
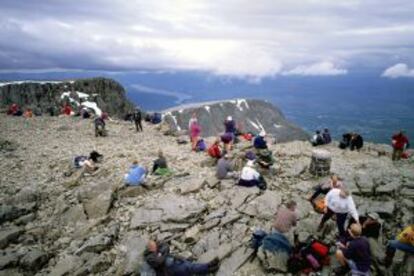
355, 255
250, 177
225, 168
403, 242
136, 175
158, 256
339, 202
88, 163
324, 188
160, 166
259, 141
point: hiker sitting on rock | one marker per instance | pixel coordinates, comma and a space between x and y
265, 158
324, 188
158, 256
403, 242
285, 218
399, 144
225, 168
250, 177
317, 139
357, 142
214, 150
136, 175
260, 141
326, 136
99, 123
159, 166
339, 202
355, 255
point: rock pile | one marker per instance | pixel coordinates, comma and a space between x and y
55, 223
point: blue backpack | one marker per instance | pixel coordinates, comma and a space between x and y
156, 118
201, 145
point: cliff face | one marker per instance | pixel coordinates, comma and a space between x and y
108, 94
252, 115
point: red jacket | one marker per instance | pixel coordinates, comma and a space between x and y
399, 141
214, 151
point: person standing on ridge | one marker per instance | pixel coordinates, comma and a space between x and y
137, 116
399, 144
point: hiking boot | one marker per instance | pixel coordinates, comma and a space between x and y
341, 270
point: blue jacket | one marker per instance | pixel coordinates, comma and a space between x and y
135, 176
259, 143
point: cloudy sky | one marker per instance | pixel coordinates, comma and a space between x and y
241, 38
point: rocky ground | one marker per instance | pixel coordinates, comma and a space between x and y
52, 224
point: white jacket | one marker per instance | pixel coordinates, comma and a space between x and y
341, 205
249, 173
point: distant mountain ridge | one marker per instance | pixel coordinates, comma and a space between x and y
108, 94
252, 115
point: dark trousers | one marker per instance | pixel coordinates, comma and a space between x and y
340, 220
138, 125
396, 154
319, 190
184, 268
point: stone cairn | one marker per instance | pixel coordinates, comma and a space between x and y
320, 163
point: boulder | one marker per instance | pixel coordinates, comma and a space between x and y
100, 242
34, 259
167, 208
9, 235
134, 245
65, 265
97, 198
8, 259
191, 186
231, 264
10, 212
263, 206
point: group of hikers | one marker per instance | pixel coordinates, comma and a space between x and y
355, 233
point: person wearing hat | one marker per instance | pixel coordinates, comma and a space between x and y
225, 168
355, 255
399, 144
230, 125
250, 177
260, 141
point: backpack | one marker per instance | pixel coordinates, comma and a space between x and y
156, 118
319, 205
257, 239
201, 145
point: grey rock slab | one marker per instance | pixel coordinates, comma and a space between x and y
209, 241
134, 245
230, 218
231, 264
167, 208
384, 208
100, 242
65, 265
10, 212
240, 195
34, 259
97, 197
263, 206
221, 252
8, 259
192, 186
9, 235
174, 227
